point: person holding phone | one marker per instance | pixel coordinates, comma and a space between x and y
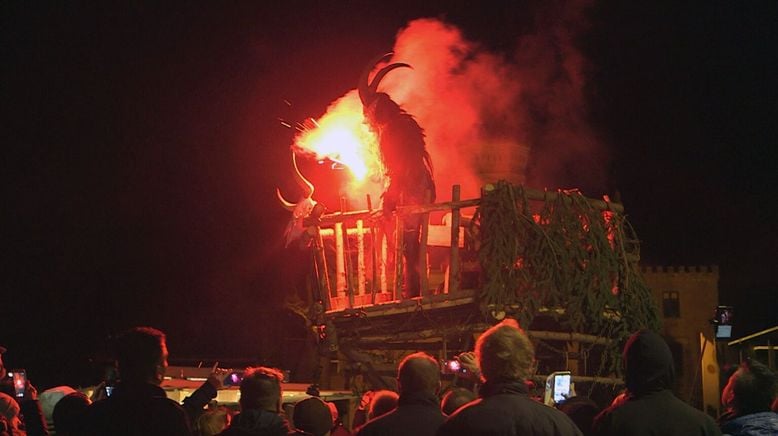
506, 357
138, 405
16, 386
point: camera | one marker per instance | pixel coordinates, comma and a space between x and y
453, 366
722, 320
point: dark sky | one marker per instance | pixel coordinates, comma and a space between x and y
142, 148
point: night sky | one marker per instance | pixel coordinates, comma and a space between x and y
142, 150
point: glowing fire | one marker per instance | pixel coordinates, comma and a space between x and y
342, 137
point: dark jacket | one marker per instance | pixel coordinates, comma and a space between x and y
650, 407
136, 409
258, 423
755, 424
505, 409
34, 422
417, 414
194, 405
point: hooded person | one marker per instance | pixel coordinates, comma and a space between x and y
649, 407
260, 405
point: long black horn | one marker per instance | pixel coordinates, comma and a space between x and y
367, 90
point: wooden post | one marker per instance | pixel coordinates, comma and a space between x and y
454, 268
340, 267
349, 267
423, 270
384, 257
360, 257
398, 254
322, 272
373, 252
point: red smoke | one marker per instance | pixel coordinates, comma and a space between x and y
488, 116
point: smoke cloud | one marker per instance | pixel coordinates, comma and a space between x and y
520, 116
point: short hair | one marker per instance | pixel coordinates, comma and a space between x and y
456, 398
382, 403
138, 352
754, 388
212, 422
418, 372
261, 388
505, 352
69, 412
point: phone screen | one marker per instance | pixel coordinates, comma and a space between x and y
20, 382
561, 387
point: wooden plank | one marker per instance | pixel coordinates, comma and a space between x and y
454, 267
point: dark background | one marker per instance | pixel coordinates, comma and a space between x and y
142, 148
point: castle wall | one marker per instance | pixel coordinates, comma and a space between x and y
697, 292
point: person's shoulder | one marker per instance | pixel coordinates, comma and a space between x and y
380, 425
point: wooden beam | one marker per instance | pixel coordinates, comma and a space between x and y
454, 274
532, 194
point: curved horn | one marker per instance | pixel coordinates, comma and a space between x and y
367, 91
286, 204
305, 185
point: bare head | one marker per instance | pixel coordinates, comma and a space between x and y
141, 354
505, 352
418, 372
261, 389
751, 389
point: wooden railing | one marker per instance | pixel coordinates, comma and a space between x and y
372, 223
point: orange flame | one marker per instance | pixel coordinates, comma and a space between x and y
342, 136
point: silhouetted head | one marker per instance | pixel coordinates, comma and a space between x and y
260, 389
141, 354
313, 416
382, 403
505, 352
69, 413
418, 372
456, 398
751, 389
648, 363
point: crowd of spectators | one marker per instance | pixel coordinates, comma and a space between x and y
499, 402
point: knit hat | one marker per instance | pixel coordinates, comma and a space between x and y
312, 415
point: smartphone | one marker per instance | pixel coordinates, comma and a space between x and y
452, 366
20, 381
561, 383
233, 378
557, 387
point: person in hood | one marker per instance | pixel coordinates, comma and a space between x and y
747, 398
260, 405
649, 407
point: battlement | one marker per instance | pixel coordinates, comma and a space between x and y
679, 269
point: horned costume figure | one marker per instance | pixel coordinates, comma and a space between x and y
305, 213
405, 157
